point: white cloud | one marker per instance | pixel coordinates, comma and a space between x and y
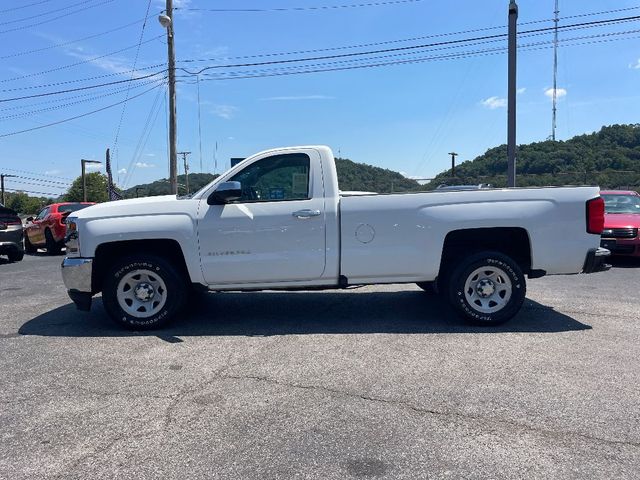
494, 102
521, 90
149, 154
297, 97
93, 166
635, 66
560, 92
224, 111
122, 171
52, 172
145, 165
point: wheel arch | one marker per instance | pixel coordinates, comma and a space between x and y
511, 241
106, 253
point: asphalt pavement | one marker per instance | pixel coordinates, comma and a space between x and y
373, 382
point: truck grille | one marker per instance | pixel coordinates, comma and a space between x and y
620, 232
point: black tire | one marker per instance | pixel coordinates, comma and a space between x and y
175, 294
15, 256
494, 309
53, 247
28, 246
429, 288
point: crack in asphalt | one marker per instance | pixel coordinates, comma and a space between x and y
422, 410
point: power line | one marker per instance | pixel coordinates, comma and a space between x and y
387, 42
76, 116
48, 194
135, 62
36, 173
70, 42
87, 87
395, 55
12, 9
23, 27
68, 104
43, 14
288, 9
43, 181
410, 47
452, 56
72, 97
88, 60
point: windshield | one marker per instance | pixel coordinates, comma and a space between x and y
71, 207
621, 203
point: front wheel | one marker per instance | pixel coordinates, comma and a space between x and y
143, 292
487, 288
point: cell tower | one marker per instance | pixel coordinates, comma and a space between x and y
555, 72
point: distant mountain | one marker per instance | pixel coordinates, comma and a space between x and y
162, 187
609, 158
351, 176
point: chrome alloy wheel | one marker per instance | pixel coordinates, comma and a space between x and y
488, 289
141, 293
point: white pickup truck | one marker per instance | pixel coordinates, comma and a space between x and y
277, 220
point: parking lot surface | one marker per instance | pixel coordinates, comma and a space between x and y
374, 382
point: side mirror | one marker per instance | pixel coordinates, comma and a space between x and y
225, 193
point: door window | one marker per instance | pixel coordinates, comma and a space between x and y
275, 179
43, 213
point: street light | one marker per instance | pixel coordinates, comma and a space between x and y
166, 20
83, 162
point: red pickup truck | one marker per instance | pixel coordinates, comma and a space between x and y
48, 228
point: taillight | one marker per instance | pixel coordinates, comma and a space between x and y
11, 221
595, 216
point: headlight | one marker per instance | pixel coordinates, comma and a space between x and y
71, 239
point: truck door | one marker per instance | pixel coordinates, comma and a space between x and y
275, 232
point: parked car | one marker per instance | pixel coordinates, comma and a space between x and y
621, 222
278, 221
10, 234
48, 228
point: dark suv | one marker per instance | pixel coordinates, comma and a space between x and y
11, 234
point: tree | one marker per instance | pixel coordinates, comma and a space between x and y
23, 203
96, 189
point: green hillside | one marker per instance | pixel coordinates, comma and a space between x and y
162, 187
609, 158
351, 176
359, 176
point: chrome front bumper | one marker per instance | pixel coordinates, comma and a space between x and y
76, 274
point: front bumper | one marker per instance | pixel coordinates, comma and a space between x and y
76, 275
595, 261
622, 246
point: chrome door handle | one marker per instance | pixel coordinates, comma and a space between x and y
306, 213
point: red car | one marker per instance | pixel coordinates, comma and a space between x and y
48, 229
621, 222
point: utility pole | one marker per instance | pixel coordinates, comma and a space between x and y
555, 72
83, 162
453, 163
166, 20
2, 177
186, 168
511, 114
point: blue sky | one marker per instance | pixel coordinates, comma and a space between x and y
403, 117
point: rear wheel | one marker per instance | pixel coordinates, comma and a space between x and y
487, 288
143, 292
15, 256
53, 247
